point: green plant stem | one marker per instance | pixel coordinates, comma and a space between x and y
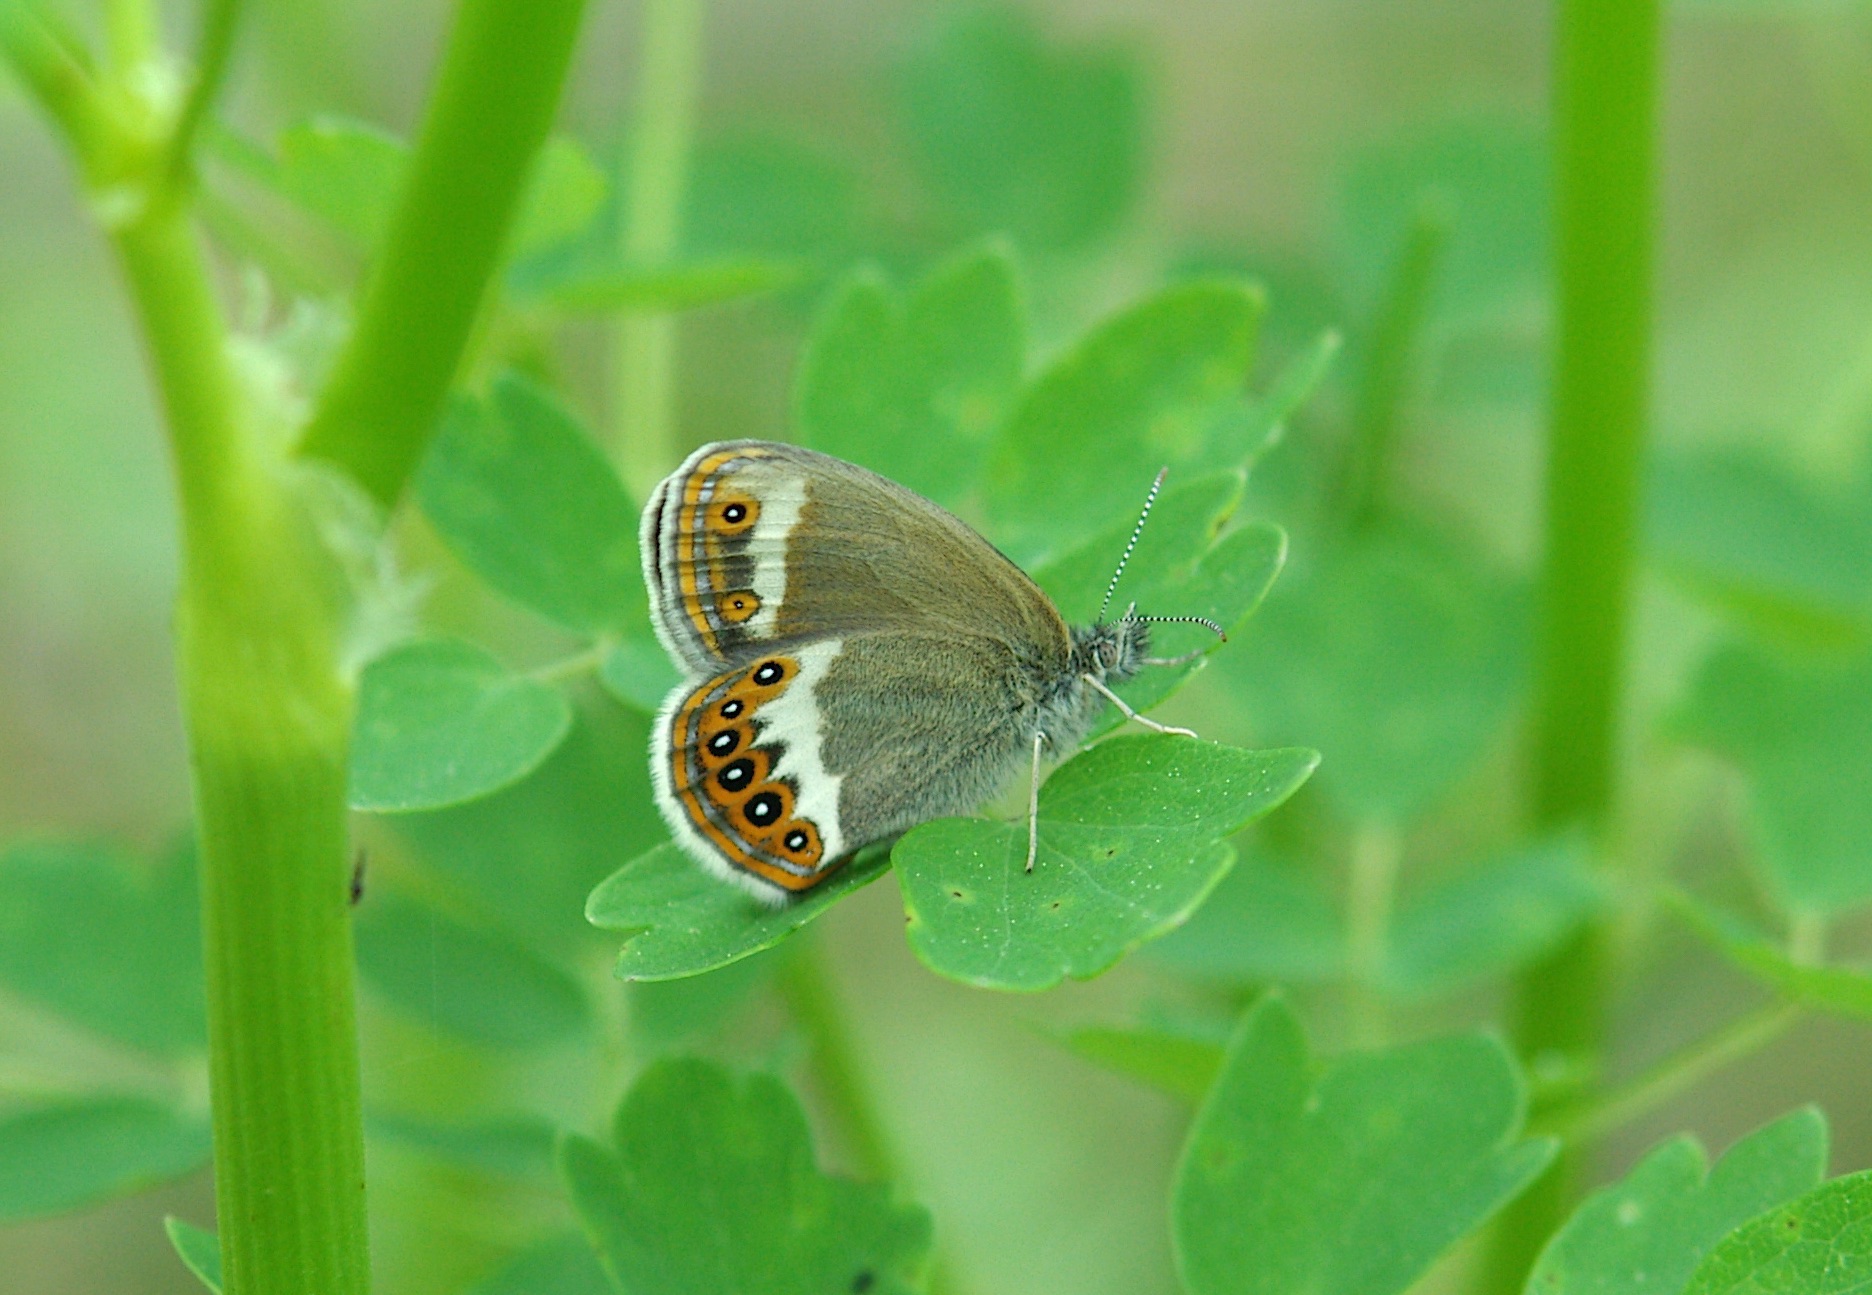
1606, 83
655, 178
268, 714
1683, 1069
1384, 381
492, 106
1371, 889
812, 1001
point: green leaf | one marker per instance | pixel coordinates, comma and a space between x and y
1488, 173
1820, 1244
62, 1155
1142, 390
916, 388
1775, 551
477, 984
519, 492
1650, 1231
1043, 142
1491, 918
440, 722
561, 1266
639, 673
516, 1146
348, 173
1173, 1063
1803, 735
564, 193
524, 859
1347, 1178
584, 285
1268, 920
764, 195
1398, 657
709, 1188
1131, 841
679, 920
110, 943
1836, 989
198, 1249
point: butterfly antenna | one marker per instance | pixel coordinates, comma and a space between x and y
1188, 620
1136, 531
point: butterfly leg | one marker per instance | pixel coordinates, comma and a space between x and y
1185, 659
1033, 803
1120, 703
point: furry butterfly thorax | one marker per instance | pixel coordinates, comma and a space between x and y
858, 661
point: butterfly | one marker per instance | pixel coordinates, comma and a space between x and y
858, 661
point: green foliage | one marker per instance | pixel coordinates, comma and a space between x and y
1129, 844
1803, 734
442, 721
468, 981
1398, 658
1650, 1231
1785, 557
1173, 1063
1045, 142
1146, 388
1349, 1178
678, 920
915, 388
111, 943
60, 1155
709, 1188
514, 1146
1270, 921
1837, 989
564, 1266
1820, 1244
198, 1250
518, 491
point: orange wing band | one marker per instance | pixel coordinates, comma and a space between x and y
722, 776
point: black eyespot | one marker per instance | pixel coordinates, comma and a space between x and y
733, 514
763, 809
724, 742
731, 709
796, 840
737, 775
769, 672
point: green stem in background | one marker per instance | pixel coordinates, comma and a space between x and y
1390, 356
1689, 1066
1605, 130
655, 176
492, 106
1377, 850
813, 1002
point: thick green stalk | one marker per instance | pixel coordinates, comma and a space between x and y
268, 712
1606, 82
491, 109
669, 72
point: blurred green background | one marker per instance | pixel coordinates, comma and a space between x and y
1306, 145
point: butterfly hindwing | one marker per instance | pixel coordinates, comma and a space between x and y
737, 770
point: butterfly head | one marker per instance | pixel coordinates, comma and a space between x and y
1112, 651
